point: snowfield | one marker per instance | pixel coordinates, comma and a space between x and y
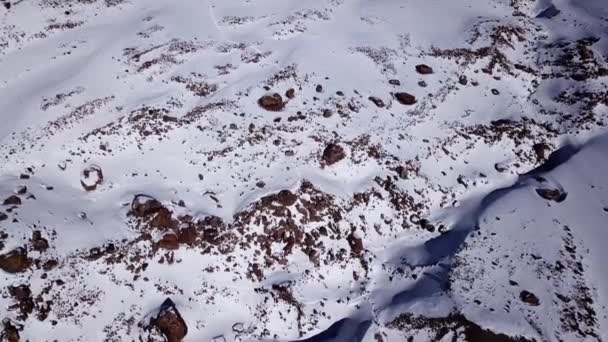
320, 170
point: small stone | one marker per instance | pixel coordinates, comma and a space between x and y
402, 172
405, 99
327, 113
552, 194
273, 102
24, 176
332, 154
394, 82
3, 216
21, 190
340, 93
424, 69
290, 93
319, 88
495, 91
529, 298
377, 101
422, 84
463, 80
260, 184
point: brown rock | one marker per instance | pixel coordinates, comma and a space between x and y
188, 235
402, 172
540, 150
10, 332
424, 69
405, 98
273, 102
377, 101
552, 194
169, 241
463, 80
163, 219
39, 243
15, 261
286, 198
355, 243
332, 154
144, 205
12, 200
170, 322
23, 296
529, 298
290, 93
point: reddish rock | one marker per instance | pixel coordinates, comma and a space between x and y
273, 102
405, 98
424, 69
15, 261
170, 323
286, 198
188, 235
332, 154
163, 219
39, 243
169, 241
290, 93
10, 333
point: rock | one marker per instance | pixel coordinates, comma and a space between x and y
10, 333
273, 102
24, 176
402, 172
290, 93
21, 190
340, 93
495, 92
332, 154
238, 328
394, 82
405, 99
39, 243
15, 261
540, 150
91, 177
23, 296
12, 200
3, 216
377, 101
355, 243
422, 84
463, 80
144, 205
319, 88
170, 323
529, 298
286, 198
500, 167
424, 69
169, 241
327, 113
549, 12
552, 194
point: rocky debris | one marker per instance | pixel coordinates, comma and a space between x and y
25, 303
377, 101
405, 98
290, 93
273, 102
463, 80
319, 88
169, 241
332, 154
12, 200
424, 69
91, 177
10, 333
555, 195
144, 205
39, 243
169, 322
3, 216
286, 198
15, 261
394, 82
529, 298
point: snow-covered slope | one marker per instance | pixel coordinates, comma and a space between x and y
322, 170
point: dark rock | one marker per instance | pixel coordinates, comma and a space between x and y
552, 194
49, 265
340, 93
10, 333
405, 98
394, 82
144, 205
15, 261
273, 102
286, 198
21, 190
24, 176
377, 101
290, 93
355, 243
332, 154
12, 200
170, 323
529, 298
39, 243
540, 149
424, 69
327, 113
549, 12
319, 88
463, 80
402, 172
3, 216
422, 84
495, 92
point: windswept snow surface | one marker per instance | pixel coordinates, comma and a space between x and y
429, 170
